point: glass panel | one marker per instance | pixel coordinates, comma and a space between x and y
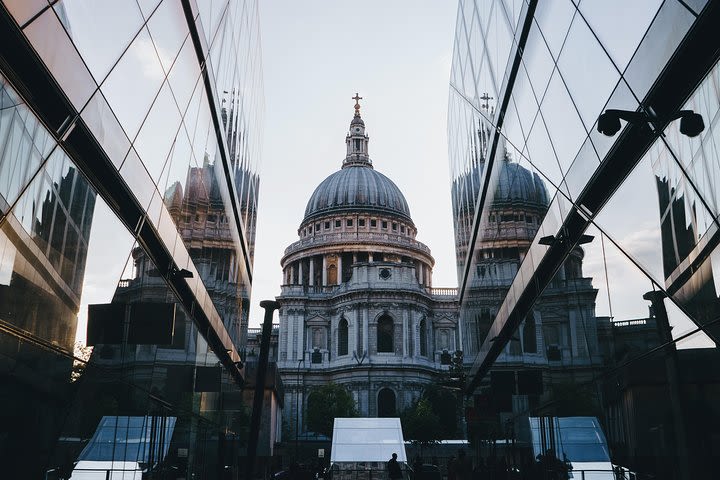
51, 42
106, 128
158, 132
665, 33
538, 62
100, 30
554, 19
24, 144
588, 73
24, 10
133, 84
608, 19
168, 29
561, 118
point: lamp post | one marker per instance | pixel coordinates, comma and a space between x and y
297, 403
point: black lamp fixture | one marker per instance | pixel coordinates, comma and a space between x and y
691, 123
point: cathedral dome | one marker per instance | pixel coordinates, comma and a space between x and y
357, 187
518, 184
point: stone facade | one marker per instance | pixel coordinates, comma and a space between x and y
358, 307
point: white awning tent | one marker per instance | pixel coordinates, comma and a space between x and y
367, 440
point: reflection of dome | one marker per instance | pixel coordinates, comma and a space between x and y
357, 188
517, 184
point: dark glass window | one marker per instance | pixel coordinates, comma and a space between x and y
402, 228
373, 223
349, 222
337, 223
385, 332
343, 337
529, 336
386, 403
384, 224
394, 226
327, 225
361, 222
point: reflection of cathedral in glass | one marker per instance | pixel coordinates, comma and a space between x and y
558, 340
358, 306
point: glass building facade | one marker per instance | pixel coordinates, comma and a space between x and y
588, 262
129, 152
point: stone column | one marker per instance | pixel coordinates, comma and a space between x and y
414, 327
339, 268
292, 274
324, 270
290, 337
311, 272
405, 334
366, 333
300, 272
422, 273
370, 257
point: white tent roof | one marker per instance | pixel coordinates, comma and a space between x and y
367, 440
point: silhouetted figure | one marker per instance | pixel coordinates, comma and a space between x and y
393, 468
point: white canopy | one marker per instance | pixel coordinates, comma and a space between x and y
367, 440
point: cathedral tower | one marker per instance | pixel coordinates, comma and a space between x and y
358, 306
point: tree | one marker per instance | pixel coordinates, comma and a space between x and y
327, 403
420, 424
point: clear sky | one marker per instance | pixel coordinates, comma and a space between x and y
316, 55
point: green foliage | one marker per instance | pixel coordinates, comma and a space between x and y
420, 424
327, 403
444, 404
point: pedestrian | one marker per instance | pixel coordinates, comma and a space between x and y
393, 468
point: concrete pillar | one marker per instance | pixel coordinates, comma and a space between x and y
339, 269
324, 270
311, 272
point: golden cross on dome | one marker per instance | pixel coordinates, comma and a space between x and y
357, 99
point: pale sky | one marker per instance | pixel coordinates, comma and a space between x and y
316, 55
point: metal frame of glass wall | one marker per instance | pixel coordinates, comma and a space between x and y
585, 261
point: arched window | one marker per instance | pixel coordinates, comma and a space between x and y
386, 403
385, 333
332, 275
529, 335
423, 338
343, 337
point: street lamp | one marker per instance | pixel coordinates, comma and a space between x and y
297, 403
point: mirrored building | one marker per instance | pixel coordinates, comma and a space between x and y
583, 151
129, 151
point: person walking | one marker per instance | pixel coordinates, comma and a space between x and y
393, 468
